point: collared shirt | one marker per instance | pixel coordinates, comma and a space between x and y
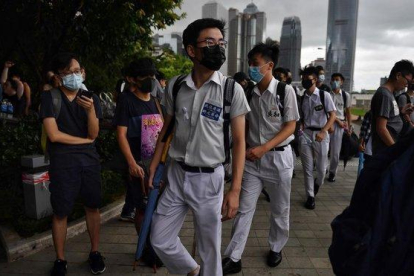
266, 119
339, 103
198, 137
313, 112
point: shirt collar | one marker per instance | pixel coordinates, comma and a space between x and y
214, 78
316, 93
271, 88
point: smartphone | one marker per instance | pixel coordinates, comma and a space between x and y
85, 93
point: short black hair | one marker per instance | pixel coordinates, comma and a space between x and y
287, 70
192, 32
309, 70
319, 68
141, 67
62, 61
240, 76
268, 50
281, 70
334, 75
404, 67
15, 72
160, 75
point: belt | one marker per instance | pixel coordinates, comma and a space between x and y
314, 128
282, 148
187, 168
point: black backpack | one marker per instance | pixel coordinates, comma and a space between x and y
227, 99
280, 91
406, 124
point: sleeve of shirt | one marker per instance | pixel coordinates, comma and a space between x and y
122, 112
167, 100
97, 105
239, 105
329, 103
290, 109
46, 106
348, 100
402, 101
384, 106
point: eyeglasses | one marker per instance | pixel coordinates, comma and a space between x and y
211, 43
65, 73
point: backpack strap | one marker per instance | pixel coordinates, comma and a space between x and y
281, 92
322, 97
227, 99
176, 89
157, 103
408, 97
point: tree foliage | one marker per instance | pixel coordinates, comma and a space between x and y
104, 33
172, 64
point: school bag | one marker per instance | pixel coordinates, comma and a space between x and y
375, 234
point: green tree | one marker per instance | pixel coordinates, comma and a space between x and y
104, 33
172, 64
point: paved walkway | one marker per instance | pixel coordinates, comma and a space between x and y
306, 252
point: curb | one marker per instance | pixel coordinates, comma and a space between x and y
17, 248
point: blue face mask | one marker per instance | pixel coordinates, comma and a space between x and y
72, 82
321, 78
255, 74
336, 85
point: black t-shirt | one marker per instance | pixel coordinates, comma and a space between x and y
72, 120
144, 122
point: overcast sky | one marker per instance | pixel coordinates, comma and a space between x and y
385, 31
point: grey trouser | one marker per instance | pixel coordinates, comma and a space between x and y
335, 148
202, 193
273, 171
309, 152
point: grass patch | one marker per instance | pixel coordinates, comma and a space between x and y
358, 111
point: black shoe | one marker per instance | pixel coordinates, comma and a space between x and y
59, 268
331, 177
230, 267
315, 188
274, 258
128, 216
96, 263
310, 203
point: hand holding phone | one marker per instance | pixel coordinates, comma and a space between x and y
85, 93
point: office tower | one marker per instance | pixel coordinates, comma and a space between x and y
291, 46
172, 41
217, 11
245, 30
341, 39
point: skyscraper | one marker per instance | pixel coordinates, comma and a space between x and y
291, 46
341, 39
217, 11
245, 30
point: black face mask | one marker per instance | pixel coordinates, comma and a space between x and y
307, 84
214, 57
147, 85
289, 80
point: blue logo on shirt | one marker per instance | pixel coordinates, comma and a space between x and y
211, 111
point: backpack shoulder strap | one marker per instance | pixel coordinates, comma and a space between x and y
56, 101
227, 99
345, 100
176, 89
322, 97
408, 97
157, 104
281, 92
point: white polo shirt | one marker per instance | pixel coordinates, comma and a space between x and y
313, 112
266, 119
339, 103
199, 135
